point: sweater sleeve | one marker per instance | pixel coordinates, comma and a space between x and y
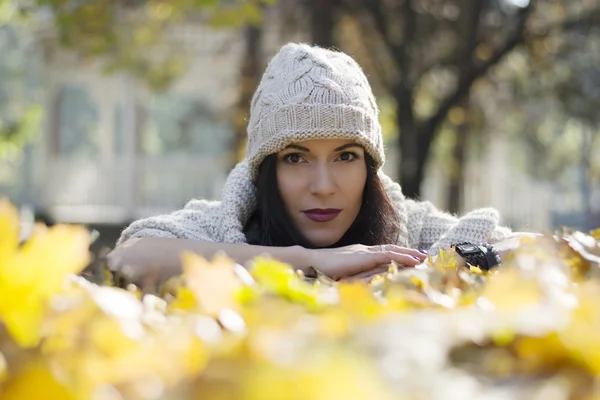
195, 221
430, 228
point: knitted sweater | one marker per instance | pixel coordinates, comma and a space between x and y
423, 226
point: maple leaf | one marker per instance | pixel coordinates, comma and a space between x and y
280, 279
214, 284
510, 290
445, 259
32, 274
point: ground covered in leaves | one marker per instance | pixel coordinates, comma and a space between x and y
528, 330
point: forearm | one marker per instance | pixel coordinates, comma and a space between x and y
297, 256
165, 253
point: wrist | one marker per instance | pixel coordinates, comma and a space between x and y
304, 259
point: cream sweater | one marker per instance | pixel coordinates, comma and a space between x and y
423, 226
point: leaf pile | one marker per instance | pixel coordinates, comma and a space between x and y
528, 330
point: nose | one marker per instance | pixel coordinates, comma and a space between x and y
323, 182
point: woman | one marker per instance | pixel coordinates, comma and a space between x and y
310, 191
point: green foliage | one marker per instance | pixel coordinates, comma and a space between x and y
16, 134
135, 36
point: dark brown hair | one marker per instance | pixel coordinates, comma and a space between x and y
270, 225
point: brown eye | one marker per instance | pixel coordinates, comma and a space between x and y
348, 156
293, 158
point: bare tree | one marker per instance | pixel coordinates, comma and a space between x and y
466, 37
250, 72
322, 21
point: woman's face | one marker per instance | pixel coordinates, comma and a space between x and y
321, 183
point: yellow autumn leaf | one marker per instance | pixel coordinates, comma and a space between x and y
396, 300
184, 300
23, 318
35, 382
580, 336
541, 353
445, 259
106, 351
334, 324
30, 275
63, 327
214, 284
280, 279
417, 282
49, 256
476, 270
511, 290
326, 375
356, 298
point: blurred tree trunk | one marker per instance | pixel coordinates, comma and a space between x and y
469, 28
321, 22
459, 157
587, 151
250, 74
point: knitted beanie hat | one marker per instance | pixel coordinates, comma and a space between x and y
305, 93
312, 93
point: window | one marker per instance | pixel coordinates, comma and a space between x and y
77, 122
183, 125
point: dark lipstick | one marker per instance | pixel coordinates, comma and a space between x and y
322, 214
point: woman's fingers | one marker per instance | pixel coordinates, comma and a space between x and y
421, 255
380, 259
384, 258
405, 259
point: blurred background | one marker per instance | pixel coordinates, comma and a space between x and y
113, 110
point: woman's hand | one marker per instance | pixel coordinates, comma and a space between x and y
143, 261
360, 260
503, 248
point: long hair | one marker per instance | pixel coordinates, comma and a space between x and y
377, 221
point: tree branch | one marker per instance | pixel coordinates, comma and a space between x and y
380, 70
588, 20
472, 24
381, 24
447, 61
408, 37
402, 89
518, 37
475, 72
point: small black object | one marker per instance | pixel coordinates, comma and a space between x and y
481, 255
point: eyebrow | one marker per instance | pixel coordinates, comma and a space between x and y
307, 150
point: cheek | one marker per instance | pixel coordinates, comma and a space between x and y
355, 184
288, 185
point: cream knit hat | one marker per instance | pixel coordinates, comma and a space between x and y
312, 93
